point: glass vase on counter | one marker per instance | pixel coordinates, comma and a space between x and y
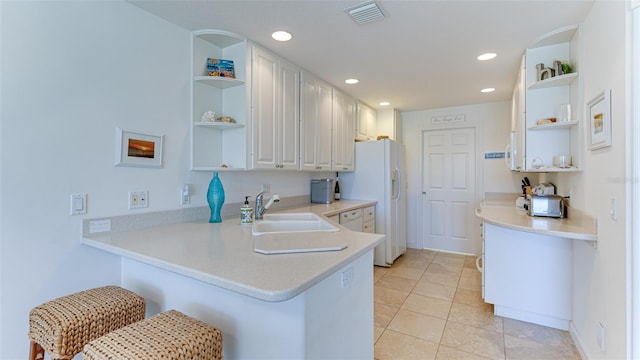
215, 198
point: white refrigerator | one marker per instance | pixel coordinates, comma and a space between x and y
380, 175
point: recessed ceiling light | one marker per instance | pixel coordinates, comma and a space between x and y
384, 103
488, 90
486, 56
352, 81
281, 36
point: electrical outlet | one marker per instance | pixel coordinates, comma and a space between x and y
347, 277
613, 210
185, 196
143, 199
138, 199
266, 187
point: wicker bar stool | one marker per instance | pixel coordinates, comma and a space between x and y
168, 335
62, 327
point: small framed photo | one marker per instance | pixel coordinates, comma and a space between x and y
599, 120
138, 149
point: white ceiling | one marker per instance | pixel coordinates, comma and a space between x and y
421, 56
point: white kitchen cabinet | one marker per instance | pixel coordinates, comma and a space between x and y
366, 124
344, 119
543, 99
275, 116
352, 219
528, 276
315, 123
369, 219
359, 219
218, 145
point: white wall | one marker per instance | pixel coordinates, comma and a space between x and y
600, 277
71, 73
389, 123
492, 122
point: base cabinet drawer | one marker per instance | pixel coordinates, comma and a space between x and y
369, 214
369, 227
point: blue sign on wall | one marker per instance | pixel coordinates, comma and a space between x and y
494, 155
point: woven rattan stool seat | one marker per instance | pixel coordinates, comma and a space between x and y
62, 327
168, 335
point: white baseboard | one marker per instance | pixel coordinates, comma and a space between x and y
577, 341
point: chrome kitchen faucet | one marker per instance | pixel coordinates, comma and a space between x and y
260, 210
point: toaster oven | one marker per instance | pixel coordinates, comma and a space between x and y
547, 205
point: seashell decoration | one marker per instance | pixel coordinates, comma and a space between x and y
208, 116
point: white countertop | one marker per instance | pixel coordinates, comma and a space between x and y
576, 226
222, 254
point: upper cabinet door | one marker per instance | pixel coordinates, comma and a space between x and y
315, 123
264, 104
289, 125
366, 124
324, 130
275, 111
344, 118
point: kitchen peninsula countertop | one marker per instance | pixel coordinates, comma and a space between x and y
222, 254
505, 214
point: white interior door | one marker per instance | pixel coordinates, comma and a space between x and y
448, 189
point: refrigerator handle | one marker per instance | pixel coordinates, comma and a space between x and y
395, 184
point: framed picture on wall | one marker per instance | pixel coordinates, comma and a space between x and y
599, 120
138, 149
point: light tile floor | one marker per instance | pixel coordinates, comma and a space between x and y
428, 305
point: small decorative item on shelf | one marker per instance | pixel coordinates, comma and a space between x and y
220, 67
537, 163
564, 112
215, 198
208, 116
546, 121
226, 119
558, 68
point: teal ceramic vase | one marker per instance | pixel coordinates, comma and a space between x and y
215, 198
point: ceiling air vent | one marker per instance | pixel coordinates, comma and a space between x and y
365, 12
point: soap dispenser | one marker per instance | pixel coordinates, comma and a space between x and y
246, 212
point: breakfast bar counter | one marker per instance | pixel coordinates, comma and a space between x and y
276, 306
222, 254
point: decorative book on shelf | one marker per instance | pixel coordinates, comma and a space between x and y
220, 67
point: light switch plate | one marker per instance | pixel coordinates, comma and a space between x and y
78, 204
